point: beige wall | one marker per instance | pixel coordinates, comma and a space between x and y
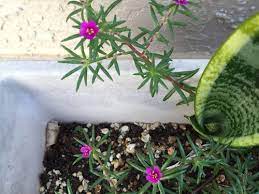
34, 28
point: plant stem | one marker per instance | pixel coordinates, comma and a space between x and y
107, 174
109, 56
204, 184
163, 22
168, 78
142, 55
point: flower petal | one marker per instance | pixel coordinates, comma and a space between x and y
91, 23
149, 170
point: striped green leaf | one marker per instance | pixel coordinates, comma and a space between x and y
227, 99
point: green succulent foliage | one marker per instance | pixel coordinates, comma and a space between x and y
105, 174
91, 141
142, 162
97, 57
227, 99
195, 170
69, 187
189, 170
237, 166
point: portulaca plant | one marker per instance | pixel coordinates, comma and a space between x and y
154, 174
101, 41
98, 161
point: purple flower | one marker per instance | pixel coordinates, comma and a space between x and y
89, 30
181, 2
153, 174
86, 151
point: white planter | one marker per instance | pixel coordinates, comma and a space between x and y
31, 94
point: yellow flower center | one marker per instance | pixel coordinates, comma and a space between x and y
90, 31
154, 175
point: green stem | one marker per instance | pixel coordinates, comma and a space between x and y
106, 174
161, 25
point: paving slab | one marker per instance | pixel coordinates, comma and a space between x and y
33, 29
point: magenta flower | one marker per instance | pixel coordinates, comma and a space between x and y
153, 174
181, 2
89, 30
86, 151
